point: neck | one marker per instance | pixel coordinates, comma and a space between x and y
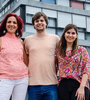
41, 33
11, 34
69, 46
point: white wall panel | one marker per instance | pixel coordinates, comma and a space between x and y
63, 19
63, 2
50, 13
79, 20
32, 10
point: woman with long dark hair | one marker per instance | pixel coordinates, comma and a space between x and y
13, 65
73, 64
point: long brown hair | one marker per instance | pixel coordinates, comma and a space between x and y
62, 45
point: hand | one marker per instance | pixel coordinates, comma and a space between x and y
80, 93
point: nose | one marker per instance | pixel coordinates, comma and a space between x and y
11, 23
70, 34
39, 21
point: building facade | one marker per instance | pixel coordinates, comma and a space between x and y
59, 12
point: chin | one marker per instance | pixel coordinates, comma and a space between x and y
11, 32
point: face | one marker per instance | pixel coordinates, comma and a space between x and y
70, 36
40, 24
11, 25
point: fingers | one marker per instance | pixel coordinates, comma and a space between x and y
80, 97
76, 94
80, 94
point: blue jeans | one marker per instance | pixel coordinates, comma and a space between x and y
43, 92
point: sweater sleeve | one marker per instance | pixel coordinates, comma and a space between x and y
85, 62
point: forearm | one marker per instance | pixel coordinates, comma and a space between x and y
26, 59
84, 80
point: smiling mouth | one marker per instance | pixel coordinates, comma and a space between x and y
70, 39
11, 28
39, 26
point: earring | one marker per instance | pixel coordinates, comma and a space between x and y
4, 31
17, 33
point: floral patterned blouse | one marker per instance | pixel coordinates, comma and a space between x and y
74, 66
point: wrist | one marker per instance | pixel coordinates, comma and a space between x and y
82, 86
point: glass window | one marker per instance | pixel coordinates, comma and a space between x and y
17, 12
49, 1
9, 6
12, 4
88, 49
59, 31
0, 14
3, 12
88, 0
6, 9
87, 36
87, 6
51, 30
76, 4
15, 0
51, 22
29, 18
30, 29
81, 35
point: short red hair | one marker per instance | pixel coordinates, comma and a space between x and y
19, 22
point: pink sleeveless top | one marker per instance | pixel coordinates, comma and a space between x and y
11, 58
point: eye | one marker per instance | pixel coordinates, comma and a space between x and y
68, 32
14, 22
42, 20
8, 21
37, 21
73, 33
